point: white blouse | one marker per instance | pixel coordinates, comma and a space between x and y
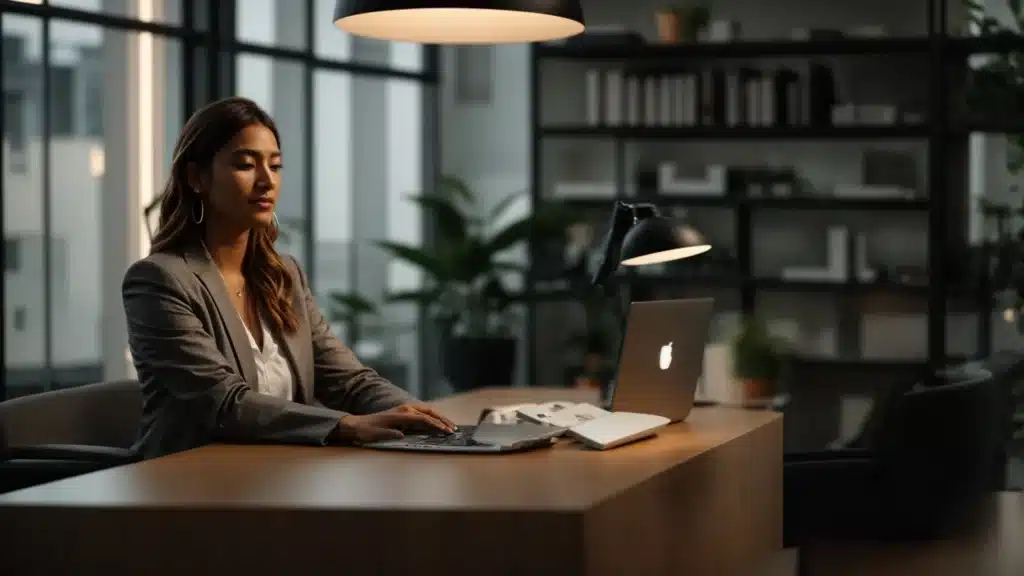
273, 374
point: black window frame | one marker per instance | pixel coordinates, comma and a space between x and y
209, 46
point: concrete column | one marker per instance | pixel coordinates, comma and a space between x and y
118, 187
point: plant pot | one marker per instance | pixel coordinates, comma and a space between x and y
757, 388
669, 27
677, 26
471, 363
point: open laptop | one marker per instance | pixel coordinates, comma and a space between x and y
485, 437
660, 362
662, 357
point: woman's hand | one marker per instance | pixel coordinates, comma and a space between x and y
391, 424
437, 420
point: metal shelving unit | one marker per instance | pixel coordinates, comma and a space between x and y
939, 131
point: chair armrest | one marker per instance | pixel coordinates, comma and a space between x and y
76, 452
828, 455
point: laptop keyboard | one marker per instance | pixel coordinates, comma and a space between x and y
461, 437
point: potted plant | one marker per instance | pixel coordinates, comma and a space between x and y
757, 360
467, 280
369, 337
350, 309
683, 22
996, 87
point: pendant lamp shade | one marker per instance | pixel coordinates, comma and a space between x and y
460, 21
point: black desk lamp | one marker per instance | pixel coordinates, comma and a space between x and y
638, 236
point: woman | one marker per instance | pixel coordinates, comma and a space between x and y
227, 340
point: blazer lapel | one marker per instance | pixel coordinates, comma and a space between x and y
292, 344
203, 267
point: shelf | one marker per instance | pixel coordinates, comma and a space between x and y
854, 363
737, 132
1001, 44
990, 128
669, 201
732, 201
832, 203
672, 53
784, 285
685, 280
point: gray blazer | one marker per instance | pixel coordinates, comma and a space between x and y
197, 372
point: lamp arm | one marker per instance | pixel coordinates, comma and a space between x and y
619, 224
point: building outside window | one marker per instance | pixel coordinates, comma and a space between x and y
94, 96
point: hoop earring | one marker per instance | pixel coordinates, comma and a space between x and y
277, 225
202, 211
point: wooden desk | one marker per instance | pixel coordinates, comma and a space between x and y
705, 497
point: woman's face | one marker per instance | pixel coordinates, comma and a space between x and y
245, 180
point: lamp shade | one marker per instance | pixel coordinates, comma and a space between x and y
460, 21
658, 239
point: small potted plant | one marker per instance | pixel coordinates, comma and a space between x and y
757, 360
683, 22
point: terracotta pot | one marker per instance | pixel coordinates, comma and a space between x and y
677, 26
669, 27
757, 388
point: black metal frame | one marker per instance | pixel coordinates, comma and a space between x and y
939, 48
209, 47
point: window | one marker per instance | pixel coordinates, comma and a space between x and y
80, 101
277, 86
12, 255
14, 128
279, 23
333, 44
350, 163
84, 108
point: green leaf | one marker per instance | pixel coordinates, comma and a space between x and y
454, 187
509, 266
353, 303
472, 260
510, 235
424, 297
451, 223
431, 264
1014, 7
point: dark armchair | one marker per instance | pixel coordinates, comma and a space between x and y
929, 458
54, 435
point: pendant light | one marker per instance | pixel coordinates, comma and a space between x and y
460, 21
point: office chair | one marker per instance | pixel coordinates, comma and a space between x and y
929, 462
63, 433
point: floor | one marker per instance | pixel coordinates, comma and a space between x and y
994, 548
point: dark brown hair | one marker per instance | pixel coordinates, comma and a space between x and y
206, 133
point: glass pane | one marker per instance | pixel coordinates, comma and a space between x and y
109, 93
280, 23
24, 275
276, 85
361, 196
332, 43
333, 184
162, 11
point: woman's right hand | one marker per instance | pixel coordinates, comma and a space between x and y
382, 426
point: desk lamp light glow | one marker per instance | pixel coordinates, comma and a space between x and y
638, 236
460, 21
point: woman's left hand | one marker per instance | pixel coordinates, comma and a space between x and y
436, 418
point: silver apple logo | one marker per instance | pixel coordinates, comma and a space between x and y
665, 357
